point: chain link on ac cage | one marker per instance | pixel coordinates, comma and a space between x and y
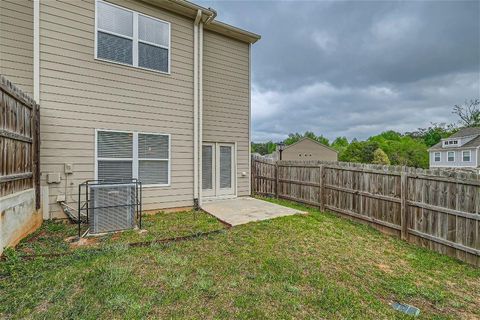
106, 206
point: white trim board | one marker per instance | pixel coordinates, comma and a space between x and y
36, 51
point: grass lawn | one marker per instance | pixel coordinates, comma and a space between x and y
306, 267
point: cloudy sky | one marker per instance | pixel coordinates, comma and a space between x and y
356, 68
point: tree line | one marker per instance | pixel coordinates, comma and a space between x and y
390, 147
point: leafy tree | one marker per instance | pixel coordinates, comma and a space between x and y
433, 134
380, 157
263, 148
469, 113
359, 151
340, 144
295, 137
402, 149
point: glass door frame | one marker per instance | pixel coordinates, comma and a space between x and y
216, 191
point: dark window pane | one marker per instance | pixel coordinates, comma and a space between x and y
152, 57
114, 48
113, 170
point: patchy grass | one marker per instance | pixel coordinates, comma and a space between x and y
313, 266
50, 238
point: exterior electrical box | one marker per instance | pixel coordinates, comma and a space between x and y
53, 177
68, 168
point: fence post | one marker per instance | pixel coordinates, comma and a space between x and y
321, 196
252, 174
36, 155
276, 179
403, 204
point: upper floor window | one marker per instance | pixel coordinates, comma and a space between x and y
451, 156
128, 37
437, 157
466, 156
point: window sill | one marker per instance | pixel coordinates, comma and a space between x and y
133, 67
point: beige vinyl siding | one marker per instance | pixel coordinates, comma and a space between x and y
226, 98
80, 94
312, 150
16, 39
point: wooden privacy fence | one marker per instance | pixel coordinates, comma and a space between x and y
19, 141
436, 209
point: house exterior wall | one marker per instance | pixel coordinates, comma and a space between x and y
311, 149
16, 39
226, 98
80, 94
458, 163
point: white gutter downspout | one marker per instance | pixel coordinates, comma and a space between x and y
44, 191
200, 116
195, 107
36, 51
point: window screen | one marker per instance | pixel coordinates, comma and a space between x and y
466, 156
117, 37
114, 48
152, 57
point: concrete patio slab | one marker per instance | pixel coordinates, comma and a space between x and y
244, 210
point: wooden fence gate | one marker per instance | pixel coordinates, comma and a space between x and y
436, 209
19, 141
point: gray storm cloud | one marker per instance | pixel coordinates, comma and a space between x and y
356, 68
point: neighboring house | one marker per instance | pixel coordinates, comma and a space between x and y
153, 89
306, 149
460, 150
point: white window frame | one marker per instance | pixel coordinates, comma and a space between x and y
135, 159
435, 156
469, 155
134, 38
448, 156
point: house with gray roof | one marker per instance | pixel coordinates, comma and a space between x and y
460, 150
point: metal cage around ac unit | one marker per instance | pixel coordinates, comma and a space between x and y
110, 206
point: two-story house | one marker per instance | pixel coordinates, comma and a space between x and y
157, 90
460, 150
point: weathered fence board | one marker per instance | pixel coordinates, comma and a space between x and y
19, 141
435, 209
